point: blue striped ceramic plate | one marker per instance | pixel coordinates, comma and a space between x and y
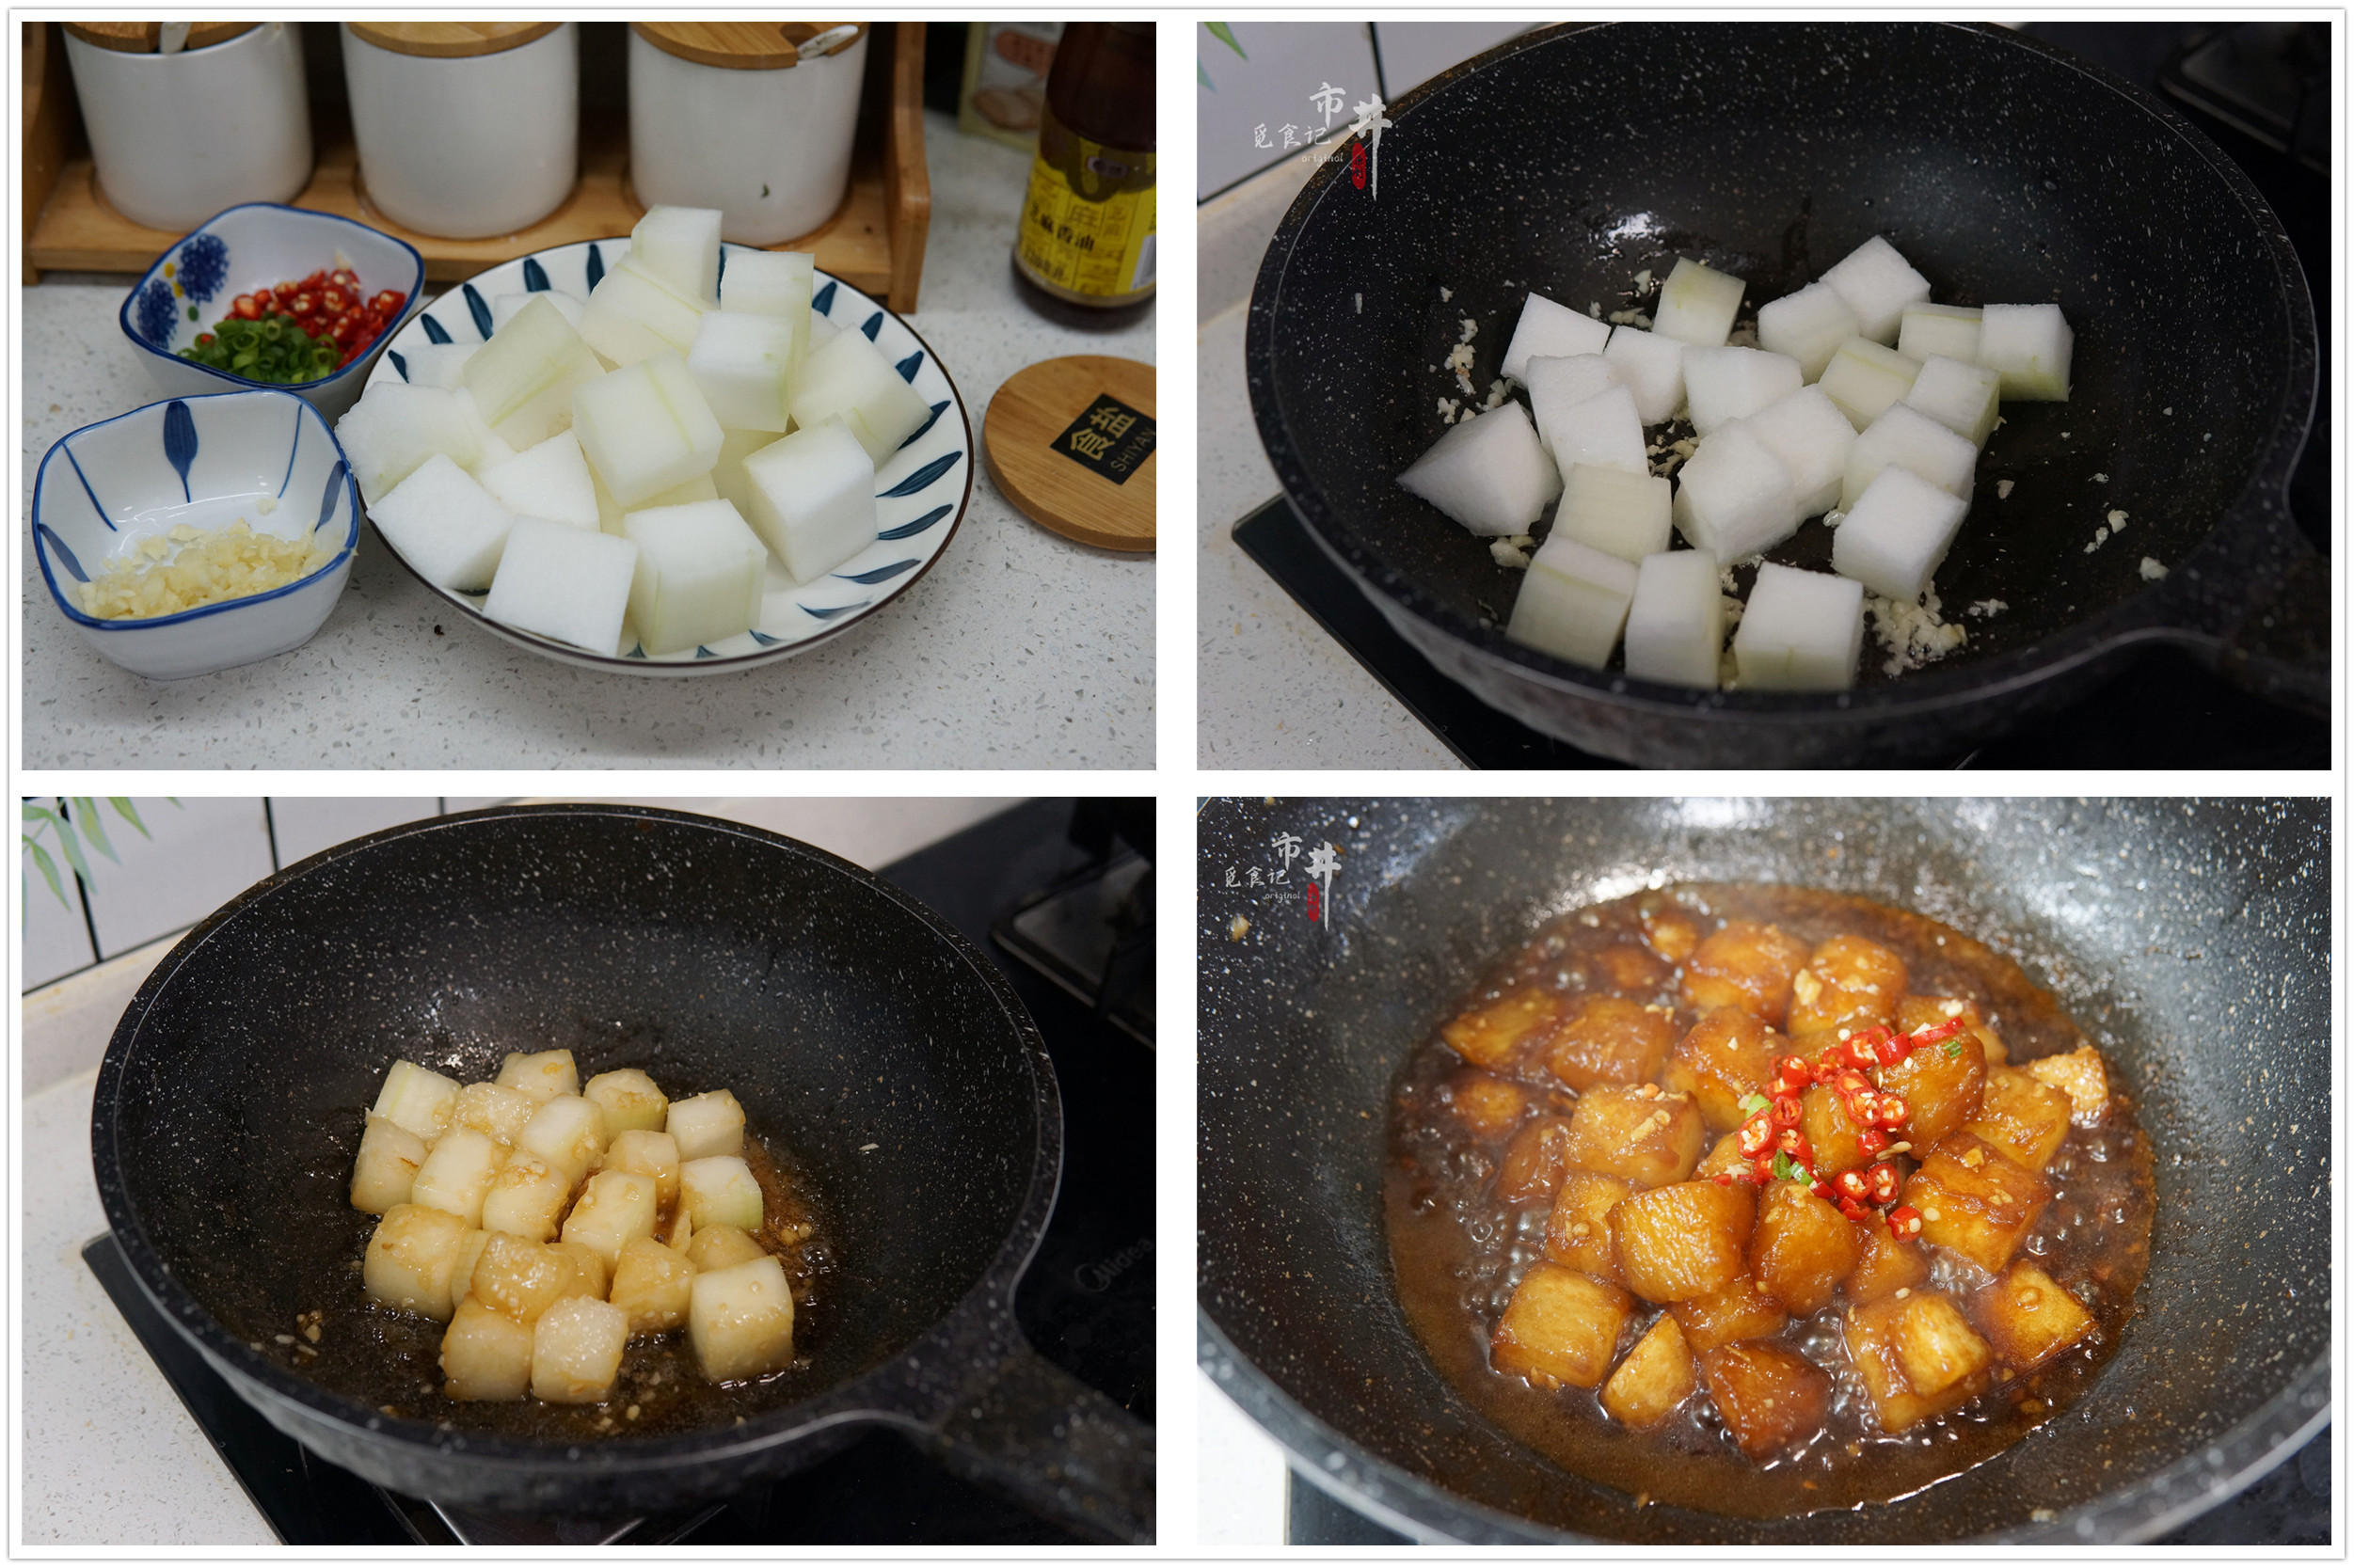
922, 489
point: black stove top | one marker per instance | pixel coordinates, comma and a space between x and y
1086, 1303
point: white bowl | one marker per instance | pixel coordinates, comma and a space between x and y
923, 488
187, 290
205, 461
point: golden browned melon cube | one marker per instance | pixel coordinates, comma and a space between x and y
1975, 1202
1638, 1135
1916, 1013
632, 1101
411, 1258
1824, 1120
519, 1279
1560, 1328
575, 1351
1885, 1264
390, 1157
1771, 1397
486, 1354
1801, 1247
1941, 1084
1740, 1312
541, 1074
741, 1320
1848, 983
654, 1285
590, 1276
1671, 932
2029, 1317
1722, 1059
457, 1176
469, 1254
723, 1246
1534, 1161
1744, 965
643, 1153
526, 1198
1489, 1105
494, 1110
1657, 1376
1608, 1040
2082, 1076
2023, 1116
1723, 1159
1916, 1328
1492, 1036
1630, 968
568, 1132
614, 1208
1578, 1235
1684, 1241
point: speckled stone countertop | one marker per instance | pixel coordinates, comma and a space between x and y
1020, 649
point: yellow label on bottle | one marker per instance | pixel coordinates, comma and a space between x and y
1087, 223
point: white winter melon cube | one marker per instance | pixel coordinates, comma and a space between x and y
1573, 602
390, 1158
524, 378
770, 282
505, 308
652, 1154
1547, 330
1697, 305
1878, 283
1951, 330
699, 577
568, 1132
1809, 325
441, 365
681, 246
729, 479
518, 1277
634, 315
645, 428
551, 479
1491, 474
445, 526
1558, 383
1801, 631
1618, 513
563, 582
719, 1190
741, 1320
394, 429
744, 365
1724, 384
1810, 437
706, 1124
1735, 498
2031, 346
1652, 368
632, 1101
469, 1256
1676, 626
1866, 379
1897, 534
850, 379
822, 331
486, 1354
411, 1258
575, 1351
456, 1177
616, 1207
490, 449
541, 1074
721, 1246
1604, 432
527, 1198
417, 1098
1963, 397
813, 498
654, 1285
1910, 438
590, 1275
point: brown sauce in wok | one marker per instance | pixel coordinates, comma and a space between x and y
1458, 1251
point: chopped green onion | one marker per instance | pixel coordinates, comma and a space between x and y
1753, 1104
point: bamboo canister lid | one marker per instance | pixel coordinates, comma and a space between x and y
142, 37
451, 40
1071, 443
739, 45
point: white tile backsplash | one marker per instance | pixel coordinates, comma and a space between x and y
57, 936
1269, 85
203, 851
304, 825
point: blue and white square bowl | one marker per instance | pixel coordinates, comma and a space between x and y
187, 290
266, 456
922, 489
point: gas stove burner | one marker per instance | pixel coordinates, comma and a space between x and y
1092, 936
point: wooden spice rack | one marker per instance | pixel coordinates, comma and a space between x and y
874, 241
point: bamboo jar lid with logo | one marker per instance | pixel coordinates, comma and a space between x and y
146, 38
452, 40
1071, 443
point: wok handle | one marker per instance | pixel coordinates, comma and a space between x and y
1029, 1429
2263, 619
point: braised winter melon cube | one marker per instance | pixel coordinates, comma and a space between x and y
1720, 1061
720, 1190
1742, 1310
2082, 1076
631, 1102
494, 1110
706, 1124
568, 1132
1683, 1240
1943, 1086
2029, 1317
1489, 1105
1848, 983
741, 1320
1608, 1040
1655, 1377
1886, 1336
541, 1074
1630, 968
721, 1246
575, 1351
1885, 1264
486, 1354
643, 1153
1492, 1036
1671, 932
1639, 1134
469, 1254
1560, 1328
1834, 1135
677, 1231
417, 1098
517, 1277
615, 1209
1744, 965
390, 1158
1724, 1160
1916, 1013
527, 1198
1975, 1202
1534, 1161
2024, 1118
457, 1176
411, 1258
1578, 1234
1771, 1397
590, 1275
654, 1285
1935, 1344
1802, 1248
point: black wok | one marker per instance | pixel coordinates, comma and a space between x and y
859, 1030
2005, 170
2191, 940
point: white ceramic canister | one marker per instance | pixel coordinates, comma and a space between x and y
465, 129
732, 116
180, 134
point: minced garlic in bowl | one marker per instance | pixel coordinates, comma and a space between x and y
191, 567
